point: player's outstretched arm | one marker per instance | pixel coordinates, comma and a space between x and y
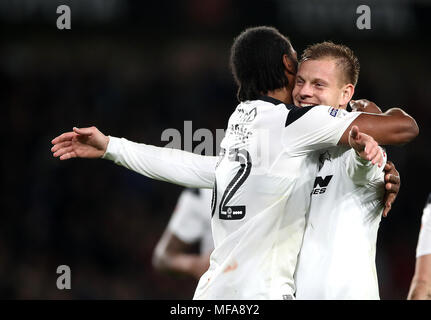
80, 143
164, 164
393, 127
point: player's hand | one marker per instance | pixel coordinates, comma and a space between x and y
392, 186
364, 105
366, 147
80, 143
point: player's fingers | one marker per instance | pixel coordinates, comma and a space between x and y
372, 152
60, 145
389, 200
381, 157
68, 155
393, 170
63, 137
388, 166
392, 187
380, 163
392, 178
63, 151
354, 132
358, 105
362, 101
390, 163
369, 143
378, 157
84, 131
389, 187
386, 210
354, 103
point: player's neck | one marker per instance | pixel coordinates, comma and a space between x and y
283, 95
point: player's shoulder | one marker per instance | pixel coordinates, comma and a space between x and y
262, 111
261, 104
295, 112
318, 115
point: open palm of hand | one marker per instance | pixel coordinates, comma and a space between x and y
80, 143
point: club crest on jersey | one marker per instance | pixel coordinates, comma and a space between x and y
333, 112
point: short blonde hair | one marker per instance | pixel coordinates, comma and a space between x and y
346, 59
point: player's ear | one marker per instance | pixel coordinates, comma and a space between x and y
347, 93
289, 64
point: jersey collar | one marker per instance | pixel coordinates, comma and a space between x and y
270, 100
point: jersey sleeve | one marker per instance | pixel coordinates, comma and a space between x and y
363, 171
314, 128
186, 222
164, 164
424, 241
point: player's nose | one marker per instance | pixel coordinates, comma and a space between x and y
305, 91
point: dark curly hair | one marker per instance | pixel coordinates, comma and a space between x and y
256, 61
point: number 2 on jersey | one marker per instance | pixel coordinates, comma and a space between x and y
227, 212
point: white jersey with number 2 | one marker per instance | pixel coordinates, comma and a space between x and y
262, 192
262, 182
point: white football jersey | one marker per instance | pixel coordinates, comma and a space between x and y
337, 258
262, 187
424, 241
262, 193
191, 219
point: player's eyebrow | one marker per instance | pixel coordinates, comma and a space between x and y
319, 80
299, 77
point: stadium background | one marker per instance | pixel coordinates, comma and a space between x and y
134, 69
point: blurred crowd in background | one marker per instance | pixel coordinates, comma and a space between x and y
134, 69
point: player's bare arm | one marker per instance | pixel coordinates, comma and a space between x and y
420, 288
393, 127
173, 255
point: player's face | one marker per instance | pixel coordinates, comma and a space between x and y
319, 82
